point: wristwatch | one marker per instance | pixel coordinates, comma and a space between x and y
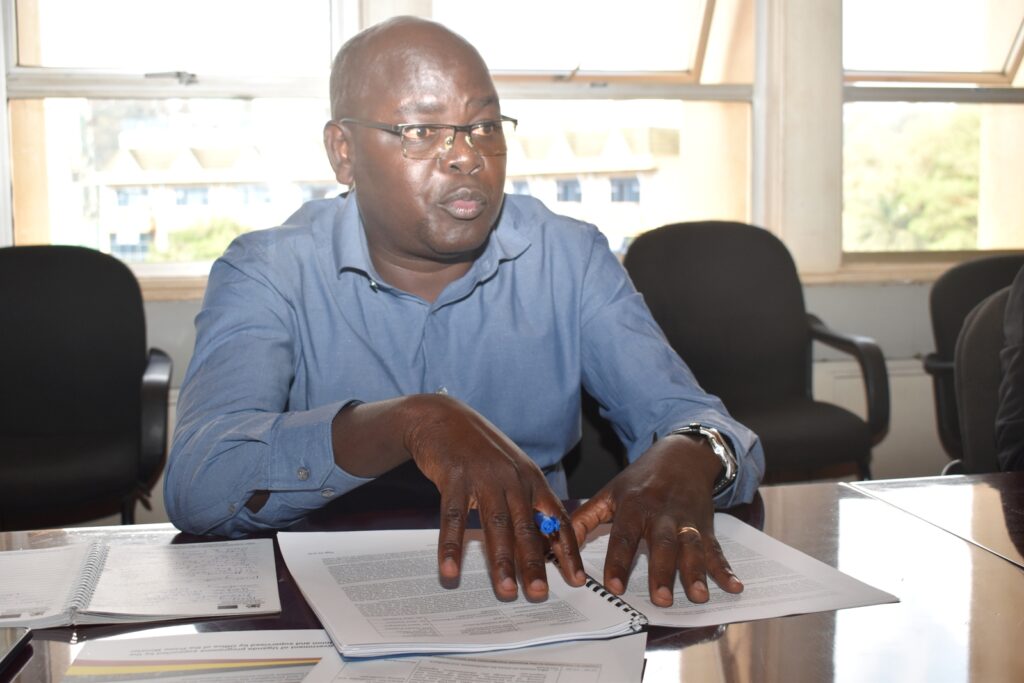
721, 448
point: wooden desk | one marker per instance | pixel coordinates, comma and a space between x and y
959, 618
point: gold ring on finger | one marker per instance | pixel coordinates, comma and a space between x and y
686, 530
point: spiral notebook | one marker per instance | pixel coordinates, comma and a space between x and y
377, 593
93, 583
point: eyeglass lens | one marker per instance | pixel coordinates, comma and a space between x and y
430, 141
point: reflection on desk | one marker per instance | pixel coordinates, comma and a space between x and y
960, 604
985, 509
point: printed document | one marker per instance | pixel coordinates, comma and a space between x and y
225, 657
378, 593
778, 580
619, 660
87, 583
291, 656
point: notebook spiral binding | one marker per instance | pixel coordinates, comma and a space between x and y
92, 568
637, 620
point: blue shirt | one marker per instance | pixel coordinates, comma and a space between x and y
296, 324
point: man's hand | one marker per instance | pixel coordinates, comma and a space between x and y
665, 498
474, 465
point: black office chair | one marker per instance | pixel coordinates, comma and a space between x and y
729, 299
597, 458
952, 297
83, 405
977, 373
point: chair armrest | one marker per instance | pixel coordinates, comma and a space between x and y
934, 365
872, 366
156, 385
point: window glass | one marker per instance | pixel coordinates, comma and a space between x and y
648, 37
265, 37
163, 180
178, 179
929, 36
166, 179
691, 158
579, 34
932, 177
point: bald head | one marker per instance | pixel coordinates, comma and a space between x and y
387, 56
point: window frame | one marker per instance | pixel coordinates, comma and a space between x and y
797, 43
860, 86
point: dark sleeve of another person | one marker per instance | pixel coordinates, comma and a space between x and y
1010, 414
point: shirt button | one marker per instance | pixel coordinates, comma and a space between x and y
327, 493
232, 508
374, 286
302, 474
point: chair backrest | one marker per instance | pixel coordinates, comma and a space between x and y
729, 300
978, 372
72, 342
952, 297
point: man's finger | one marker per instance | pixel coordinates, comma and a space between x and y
692, 567
450, 537
627, 529
563, 544
719, 568
663, 546
596, 511
499, 546
530, 555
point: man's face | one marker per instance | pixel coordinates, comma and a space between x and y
420, 213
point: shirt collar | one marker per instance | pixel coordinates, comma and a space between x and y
351, 251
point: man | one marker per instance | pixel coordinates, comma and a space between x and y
427, 321
1010, 411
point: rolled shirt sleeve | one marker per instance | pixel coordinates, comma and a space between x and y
235, 435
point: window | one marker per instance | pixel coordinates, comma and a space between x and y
127, 196
192, 196
625, 189
134, 250
319, 191
125, 142
932, 146
254, 194
568, 190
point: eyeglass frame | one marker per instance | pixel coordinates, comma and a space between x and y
398, 130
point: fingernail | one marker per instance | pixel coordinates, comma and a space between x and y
700, 586
663, 594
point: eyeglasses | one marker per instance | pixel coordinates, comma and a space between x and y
433, 140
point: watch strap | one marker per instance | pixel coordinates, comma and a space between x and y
720, 447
